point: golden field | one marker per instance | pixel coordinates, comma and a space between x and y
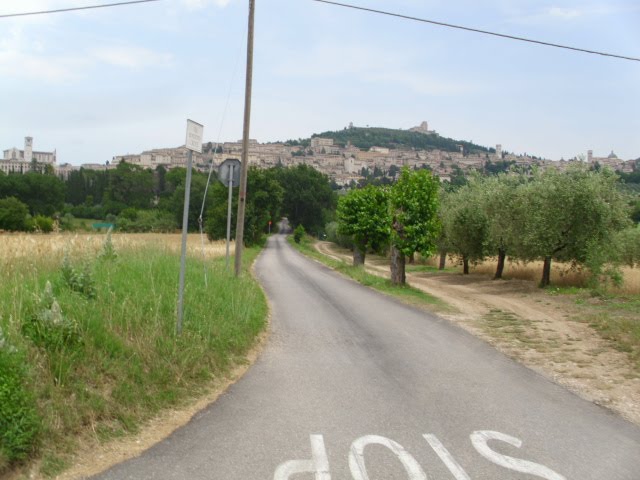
561, 274
52, 247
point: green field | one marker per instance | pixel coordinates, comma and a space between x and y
96, 353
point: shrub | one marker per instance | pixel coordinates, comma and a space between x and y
108, 252
43, 224
66, 222
47, 327
19, 420
298, 233
13, 214
80, 281
146, 221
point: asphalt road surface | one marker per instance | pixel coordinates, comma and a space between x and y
354, 385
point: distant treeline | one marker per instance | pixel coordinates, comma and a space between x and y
142, 200
365, 138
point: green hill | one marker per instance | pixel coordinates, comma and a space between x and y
366, 138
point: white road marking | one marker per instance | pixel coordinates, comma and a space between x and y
479, 440
318, 465
453, 466
357, 464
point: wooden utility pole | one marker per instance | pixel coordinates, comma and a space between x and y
242, 195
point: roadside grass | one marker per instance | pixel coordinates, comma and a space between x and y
616, 318
99, 353
406, 293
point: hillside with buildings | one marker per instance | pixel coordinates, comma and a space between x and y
343, 155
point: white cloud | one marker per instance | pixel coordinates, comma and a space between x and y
22, 58
565, 13
132, 57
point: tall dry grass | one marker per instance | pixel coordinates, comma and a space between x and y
561, 274
51, 248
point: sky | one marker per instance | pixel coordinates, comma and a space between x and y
112, 81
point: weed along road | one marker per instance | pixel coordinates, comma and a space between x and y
354, 385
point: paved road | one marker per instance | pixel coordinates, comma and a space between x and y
354, 385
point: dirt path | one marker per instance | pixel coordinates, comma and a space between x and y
532, 326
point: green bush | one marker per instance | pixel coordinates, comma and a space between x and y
143, 221
13, 214
19, 420
298, 233
47, 327
80, 281
66, 222
43, 224
108, 252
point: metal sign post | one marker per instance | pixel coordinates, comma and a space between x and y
193, 144
229, 175
229, 212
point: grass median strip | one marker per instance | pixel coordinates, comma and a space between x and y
406, 293
89, 349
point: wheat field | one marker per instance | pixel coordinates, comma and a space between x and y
51, 248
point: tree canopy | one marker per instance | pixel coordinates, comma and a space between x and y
364, 215
308, 199
415, 225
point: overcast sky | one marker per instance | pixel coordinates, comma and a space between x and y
125, 79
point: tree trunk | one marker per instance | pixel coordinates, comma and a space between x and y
502, 254
546, 273
412, 258
398, 276
465, 265
443, 260
358, 256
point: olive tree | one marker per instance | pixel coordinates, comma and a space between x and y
569, 217
363, 214
499, 201
413, 204
465, 223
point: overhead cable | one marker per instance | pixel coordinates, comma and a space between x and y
73, 9
476, 30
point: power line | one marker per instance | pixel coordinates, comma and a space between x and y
72, 9
476, 30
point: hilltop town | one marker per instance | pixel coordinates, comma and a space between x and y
341, 160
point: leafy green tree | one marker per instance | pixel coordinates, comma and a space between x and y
174, 202
43, 194
465, 224
457, 179
308, 198
364, 215
129, 186
13, 214
569, 217
264, 200
498, 198
628, 246
443, 247
415, 225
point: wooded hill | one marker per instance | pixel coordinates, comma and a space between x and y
365, 138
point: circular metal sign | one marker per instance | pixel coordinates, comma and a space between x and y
230, 166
